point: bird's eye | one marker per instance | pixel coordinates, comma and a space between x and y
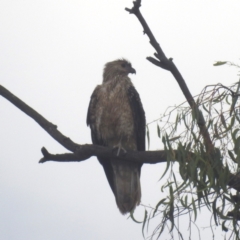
123, 65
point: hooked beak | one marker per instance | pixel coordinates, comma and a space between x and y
132, 70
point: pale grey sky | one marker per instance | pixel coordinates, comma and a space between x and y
51, 56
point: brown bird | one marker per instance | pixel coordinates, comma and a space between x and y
117, 119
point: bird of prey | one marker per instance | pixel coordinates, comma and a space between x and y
117, 120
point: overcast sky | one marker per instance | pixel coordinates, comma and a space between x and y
51, 56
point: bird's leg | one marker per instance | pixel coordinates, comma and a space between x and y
119, 148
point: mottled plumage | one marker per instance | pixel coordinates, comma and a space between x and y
117, 119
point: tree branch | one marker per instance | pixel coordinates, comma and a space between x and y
79, 152
50, 128
168, 64
89, 150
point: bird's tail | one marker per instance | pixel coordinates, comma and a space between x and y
126, 185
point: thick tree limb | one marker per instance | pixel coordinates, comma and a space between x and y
79, 152
89, 150
50, 128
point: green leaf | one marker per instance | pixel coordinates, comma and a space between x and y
176, 122
161, 231
167, 167
188, 146
224, 228
223, 204
237, 145
238, 156
223, 216
158, 205
234, 134
210, 122
234, 100
144, 222
205, 108
230, 126
174, 138
229, 199
186, 200
223, 120
224, 179
132, 217
185, 123
171, 210
216, 134
175, 181
194, 209
168, 184
232, 156
237, 116
183, 204
194, 136
215, 211
216, 111
158, 131
219, 98
232, 121
199, 195
219, 63
227, 100
166, 142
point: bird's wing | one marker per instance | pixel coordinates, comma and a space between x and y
92, 118
96, 139
138, 117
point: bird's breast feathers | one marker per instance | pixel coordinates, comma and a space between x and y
114, 120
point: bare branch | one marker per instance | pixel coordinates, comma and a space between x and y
50, 128
89, 150
157, 63
169, 65
80, 152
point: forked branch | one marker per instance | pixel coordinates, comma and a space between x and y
167, 64
79, 152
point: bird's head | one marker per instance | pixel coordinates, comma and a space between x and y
120, 67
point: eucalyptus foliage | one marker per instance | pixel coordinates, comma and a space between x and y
202, 179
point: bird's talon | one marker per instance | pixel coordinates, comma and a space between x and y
119, 150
